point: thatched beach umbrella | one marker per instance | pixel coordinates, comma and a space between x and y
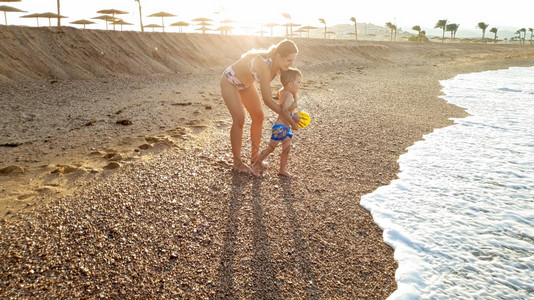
226, 21
291, 25
307, 28
153, 26
7, 9
261, 32
106, 18
82, 22
201, 19
329, 33
162, 14
50, 16
121, 22
203, 29
111, 12
224, 29
204, 23
271, 25
180, 24
300, 31
225, 26
36, 16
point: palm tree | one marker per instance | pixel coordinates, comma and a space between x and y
455, 28
58, 13
452, 28
322, 21
494, 31
140, 16
392, 28
483, 26
418, 29
531, 32
287, 16
518, 36
524, 31
353, 19
443, 25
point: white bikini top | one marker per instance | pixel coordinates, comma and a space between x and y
267, 59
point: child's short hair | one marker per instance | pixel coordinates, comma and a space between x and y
289, 75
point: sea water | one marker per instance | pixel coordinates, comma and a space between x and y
460, 217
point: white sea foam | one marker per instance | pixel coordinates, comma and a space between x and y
461, 215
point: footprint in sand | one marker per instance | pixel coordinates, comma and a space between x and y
25, 196
161, 140
153, 141
112, 166
72, 170
96, 153
179, 132
113, 156
47, 190
11, 170
197, 125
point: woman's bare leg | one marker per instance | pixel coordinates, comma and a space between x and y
232, 99
251, 101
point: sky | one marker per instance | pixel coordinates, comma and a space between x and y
405, 14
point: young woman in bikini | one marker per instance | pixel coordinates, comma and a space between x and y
238, 91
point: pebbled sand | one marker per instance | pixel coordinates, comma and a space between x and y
150, 208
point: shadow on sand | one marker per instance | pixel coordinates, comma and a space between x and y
265, 284
302, 255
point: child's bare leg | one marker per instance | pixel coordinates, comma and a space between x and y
256, 157
257, 166
286, 148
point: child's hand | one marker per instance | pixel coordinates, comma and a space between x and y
296, 118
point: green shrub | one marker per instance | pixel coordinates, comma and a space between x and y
415, 38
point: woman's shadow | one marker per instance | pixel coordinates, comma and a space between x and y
265, 283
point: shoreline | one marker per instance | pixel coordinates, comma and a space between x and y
433, 214
182, 224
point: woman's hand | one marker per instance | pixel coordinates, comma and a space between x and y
278, 93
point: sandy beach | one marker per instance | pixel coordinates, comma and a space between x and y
115, 164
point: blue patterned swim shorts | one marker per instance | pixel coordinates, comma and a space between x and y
280, 132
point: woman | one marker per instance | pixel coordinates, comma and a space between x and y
238, 91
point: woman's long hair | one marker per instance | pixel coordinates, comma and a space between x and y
284, 48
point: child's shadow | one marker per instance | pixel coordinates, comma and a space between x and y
264, 274
302, 256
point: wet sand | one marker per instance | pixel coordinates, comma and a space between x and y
120, 185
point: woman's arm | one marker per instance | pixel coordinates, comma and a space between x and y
265, 88
287, 100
